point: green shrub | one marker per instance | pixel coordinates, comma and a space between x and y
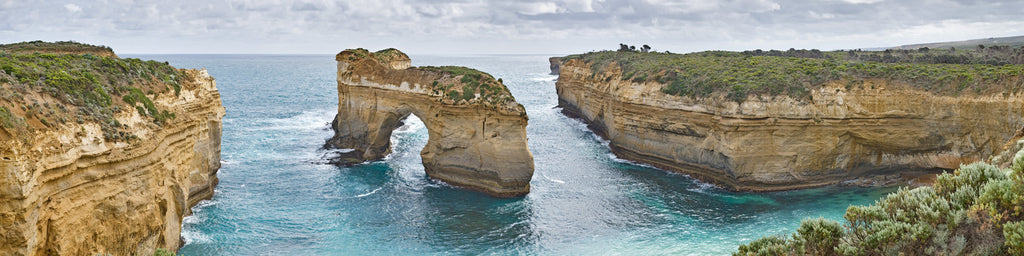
818, 236
739, 74
766, 246
88, 82
163, 252
59, 46
472, 81
1013, 232
9, 120
954, 217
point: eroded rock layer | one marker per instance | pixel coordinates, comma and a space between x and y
477, 132
70, 191
844, 130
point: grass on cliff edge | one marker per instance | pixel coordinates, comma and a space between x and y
796, 72
472, 82
976, 210
82, 88
382, 56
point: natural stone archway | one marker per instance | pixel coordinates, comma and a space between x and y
477, 132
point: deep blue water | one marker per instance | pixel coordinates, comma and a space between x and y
276, 197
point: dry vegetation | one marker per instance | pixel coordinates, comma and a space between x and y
46, 90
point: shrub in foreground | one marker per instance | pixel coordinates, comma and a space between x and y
976, 210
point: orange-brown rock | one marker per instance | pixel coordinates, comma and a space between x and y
843, 131
477, 131
66, 190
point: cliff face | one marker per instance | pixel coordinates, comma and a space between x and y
843, 131
477, 132
554, 63
68, 189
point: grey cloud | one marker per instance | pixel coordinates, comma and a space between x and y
307, 6
685, 24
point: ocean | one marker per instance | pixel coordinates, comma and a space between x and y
277, 196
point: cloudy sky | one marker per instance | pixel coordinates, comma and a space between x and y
475, 26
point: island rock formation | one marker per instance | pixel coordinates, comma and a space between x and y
75, 188
477, 131
845, 130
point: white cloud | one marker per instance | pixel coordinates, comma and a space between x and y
539, 8
817, 15
862, 1
72, 8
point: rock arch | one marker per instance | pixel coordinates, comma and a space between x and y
477, 132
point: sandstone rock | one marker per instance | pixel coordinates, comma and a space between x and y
68, 191
555, 62
477, 132
776, 142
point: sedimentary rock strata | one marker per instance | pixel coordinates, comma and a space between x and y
843, 130
68, 188
477, 132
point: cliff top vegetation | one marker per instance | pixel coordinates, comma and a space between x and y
796, 72
67, 47
45, 90
976, 210
456, 85
1013, 41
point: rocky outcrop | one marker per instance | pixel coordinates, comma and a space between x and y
68, 190
554, 63
844, 130
477, 131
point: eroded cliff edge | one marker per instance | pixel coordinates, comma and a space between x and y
477, 131
101, 155
842, 128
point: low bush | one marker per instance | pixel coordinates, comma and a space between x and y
976, 210
471, 82
87, 83
737, 74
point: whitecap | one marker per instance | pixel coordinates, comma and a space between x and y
706, 188
307, 120
552, 180
368, 193
191, 219
616, 159
412, 125
192, 237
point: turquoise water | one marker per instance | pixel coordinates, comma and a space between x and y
277, 197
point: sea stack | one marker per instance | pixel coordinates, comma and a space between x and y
477, 131
101, 155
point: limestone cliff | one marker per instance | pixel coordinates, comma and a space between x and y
841, 130
554, 63
117, 181
477, 131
